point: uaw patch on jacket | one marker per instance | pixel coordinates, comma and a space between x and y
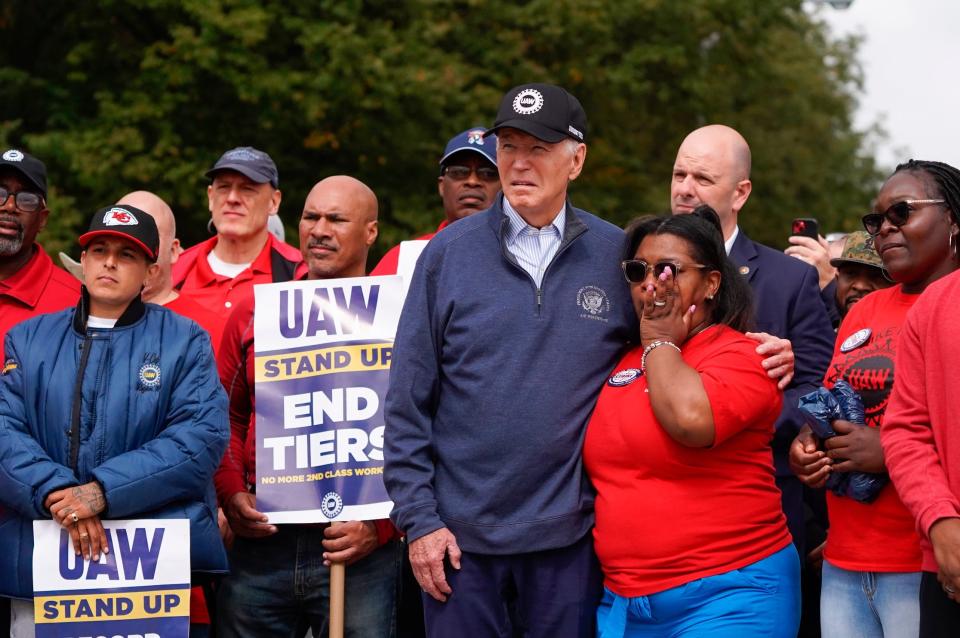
148, 377
9, 366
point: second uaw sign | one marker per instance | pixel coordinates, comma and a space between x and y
322, 353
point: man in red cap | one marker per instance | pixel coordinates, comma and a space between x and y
112, 409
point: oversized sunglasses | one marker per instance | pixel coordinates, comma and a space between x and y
27, 201
897, 214
636, 270
460, 173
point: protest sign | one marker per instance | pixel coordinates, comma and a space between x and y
141, 587
322, 364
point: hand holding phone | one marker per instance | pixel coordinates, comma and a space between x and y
806, 227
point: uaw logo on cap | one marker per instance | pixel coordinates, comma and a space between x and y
475, 137
528, 102
625, 377
331, 505
13, 155
119, 217
856, 340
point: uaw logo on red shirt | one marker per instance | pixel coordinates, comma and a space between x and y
119, 217
868, 368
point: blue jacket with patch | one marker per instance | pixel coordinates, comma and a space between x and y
138, 408
493, 380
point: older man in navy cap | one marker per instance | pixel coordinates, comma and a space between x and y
468, 182
497, 363
244, 193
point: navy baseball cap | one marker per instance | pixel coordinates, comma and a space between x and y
546, 111
127, 222
248, 161
472, 140
32, 169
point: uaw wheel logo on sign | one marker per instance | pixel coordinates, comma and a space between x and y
331, 505
528, 101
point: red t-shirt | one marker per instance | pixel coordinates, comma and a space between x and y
878, 536
207, 320
389, 262
37, 288
668, 514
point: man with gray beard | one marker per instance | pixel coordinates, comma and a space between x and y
29, 282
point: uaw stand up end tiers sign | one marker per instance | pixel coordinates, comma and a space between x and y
323, 351
140, 589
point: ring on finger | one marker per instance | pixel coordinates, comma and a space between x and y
84, 535
75, 518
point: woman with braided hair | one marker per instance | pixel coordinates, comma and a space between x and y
872, 558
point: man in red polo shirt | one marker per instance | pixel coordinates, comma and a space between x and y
29, 282
159, 288
220, 272
468, 182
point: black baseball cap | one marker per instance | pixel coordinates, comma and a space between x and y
32, 169
248, 161
126, 222
545, 111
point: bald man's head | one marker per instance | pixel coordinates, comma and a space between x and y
159, 286
337, 227
712, 167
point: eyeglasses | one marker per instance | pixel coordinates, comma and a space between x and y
636, 270
460, 173
897, 214
26, 201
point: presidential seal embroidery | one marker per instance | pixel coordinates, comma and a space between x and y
855, 340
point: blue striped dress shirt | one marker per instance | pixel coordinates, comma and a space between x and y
534, 248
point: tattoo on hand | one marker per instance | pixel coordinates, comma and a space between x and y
91, 496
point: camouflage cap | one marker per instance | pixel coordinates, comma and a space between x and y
858, 249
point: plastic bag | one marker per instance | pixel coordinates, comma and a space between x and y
821, 407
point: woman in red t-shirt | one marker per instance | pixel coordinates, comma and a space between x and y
871, 571
689, 527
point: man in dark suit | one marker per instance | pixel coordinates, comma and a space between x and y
713, 167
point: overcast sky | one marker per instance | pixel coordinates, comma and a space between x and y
911, 59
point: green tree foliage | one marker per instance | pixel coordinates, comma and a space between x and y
119, 95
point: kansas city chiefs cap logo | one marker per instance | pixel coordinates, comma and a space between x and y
119, 217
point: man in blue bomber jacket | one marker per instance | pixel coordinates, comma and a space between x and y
109, 410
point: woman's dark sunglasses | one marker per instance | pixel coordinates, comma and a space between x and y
897, 214
636, 270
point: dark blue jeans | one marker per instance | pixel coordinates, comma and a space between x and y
278, 586
548, 594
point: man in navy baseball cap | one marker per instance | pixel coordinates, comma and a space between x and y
467, 184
